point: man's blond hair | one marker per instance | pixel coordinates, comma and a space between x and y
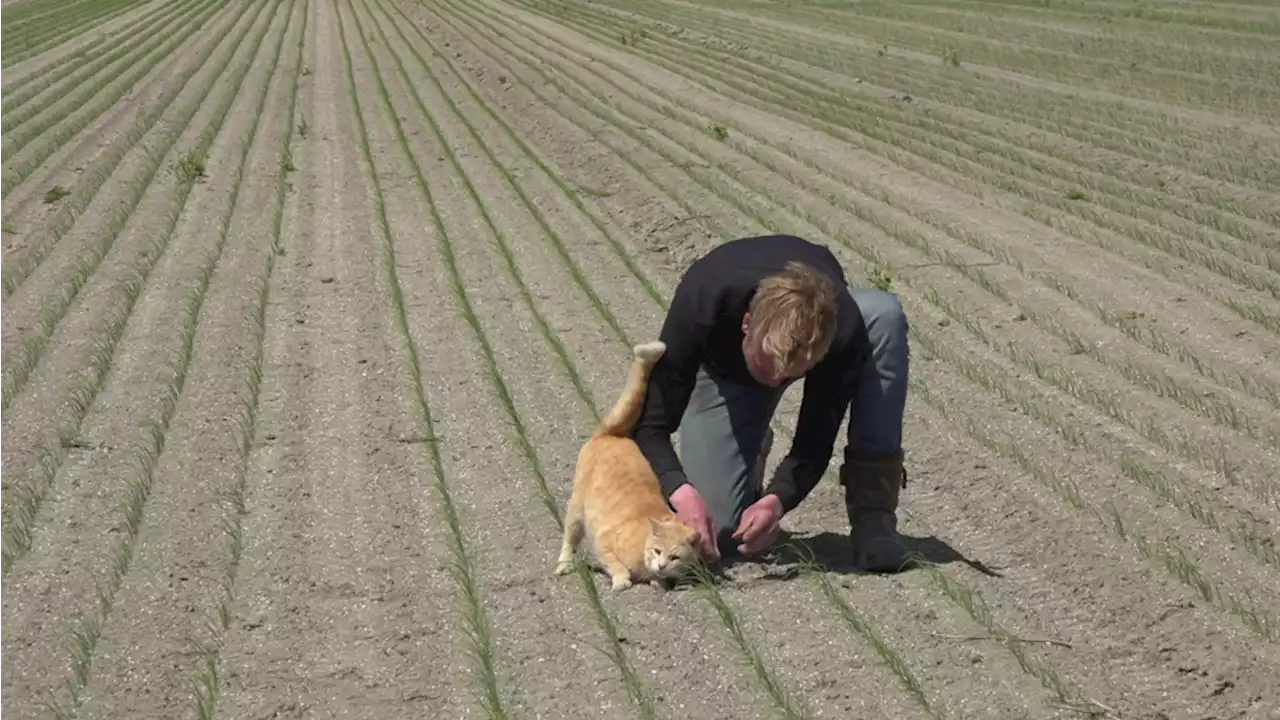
793, 315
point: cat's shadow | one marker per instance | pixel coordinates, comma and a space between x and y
830, 552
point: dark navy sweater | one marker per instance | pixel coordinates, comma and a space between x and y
703, 327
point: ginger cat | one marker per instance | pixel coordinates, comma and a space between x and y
616, 497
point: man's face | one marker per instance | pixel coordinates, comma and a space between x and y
761, 366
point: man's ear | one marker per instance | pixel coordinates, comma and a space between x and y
746, 322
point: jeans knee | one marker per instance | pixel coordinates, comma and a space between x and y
883, 315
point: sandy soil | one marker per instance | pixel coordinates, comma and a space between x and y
295, 375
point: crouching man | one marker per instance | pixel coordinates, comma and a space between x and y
748, 319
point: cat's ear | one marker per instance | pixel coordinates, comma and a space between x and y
654, 526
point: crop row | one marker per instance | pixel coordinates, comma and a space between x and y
1162, 384
476, 623
955, 146
620, 91
1123, 385
1222, 371
23, 121
1124, 129
206, 687
107, 322
1240, 18
61, 130
28, 37
121, 334
780, 696
1155, 375
88, 60
1116, 68
123, 290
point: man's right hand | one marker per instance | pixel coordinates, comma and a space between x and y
691, 509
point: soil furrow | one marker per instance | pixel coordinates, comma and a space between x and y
94, 43
614, 304
1156, 374
540, 639
89, 60
22, 157
662, 229
887, 71
92, 99
1138, 640
84, 347
85, 162
28, 106
1189, 359
945, 210
169, 605
1213, 40
1133, 640
66, 22
1022, 336
1206, 116
660, 239
38, 314
1234, 26
1095, 41
1048, 160
338, 529
1039, 167
540, 261
615, 286
827, 632
1234, 93
118, 469
62, 35
22, 14
307, 323
85, 166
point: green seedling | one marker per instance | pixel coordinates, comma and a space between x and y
191, 166
54, 194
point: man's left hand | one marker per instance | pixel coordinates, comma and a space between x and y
759, 526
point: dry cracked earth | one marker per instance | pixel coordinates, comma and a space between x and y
309, 304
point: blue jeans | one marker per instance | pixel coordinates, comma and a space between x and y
725, 436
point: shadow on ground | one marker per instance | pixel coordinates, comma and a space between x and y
827, 551
830, 552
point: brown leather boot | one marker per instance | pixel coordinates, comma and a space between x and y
871, 486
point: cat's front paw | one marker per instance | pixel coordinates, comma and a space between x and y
564, 568
621, 583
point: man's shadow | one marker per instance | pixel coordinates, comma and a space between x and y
831, 552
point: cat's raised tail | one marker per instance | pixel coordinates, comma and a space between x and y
626, 411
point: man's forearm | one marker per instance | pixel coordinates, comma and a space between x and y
671, 481
822, 411
794, 480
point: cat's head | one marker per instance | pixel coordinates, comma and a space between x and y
669, 549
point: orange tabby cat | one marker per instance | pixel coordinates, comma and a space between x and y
616, 497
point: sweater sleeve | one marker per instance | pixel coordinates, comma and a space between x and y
828, 389
670, 386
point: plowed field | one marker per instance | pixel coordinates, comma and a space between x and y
309, 304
